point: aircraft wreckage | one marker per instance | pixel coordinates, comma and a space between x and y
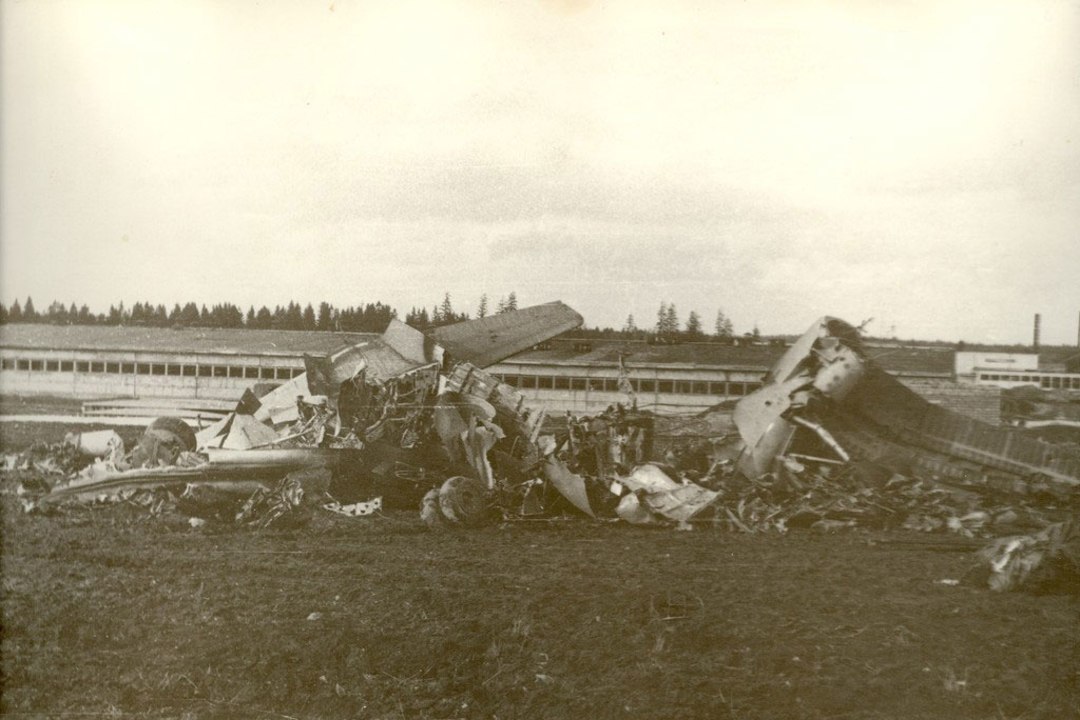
412, 419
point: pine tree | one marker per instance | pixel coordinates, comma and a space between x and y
672, 322
662, 320
294, 316
137, 316
15, 314
325, 321
309, 318
693, 325
263, 319
117, 315
507, 304
418, 319
446, 310
630, 327
29, 313
482, 310
723, 327
56, 313
189, 316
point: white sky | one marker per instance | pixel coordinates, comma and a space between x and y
915, 162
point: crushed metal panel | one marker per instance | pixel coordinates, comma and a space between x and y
488, 340
661, 495
399, 351
279, 406
383, 363
508, 402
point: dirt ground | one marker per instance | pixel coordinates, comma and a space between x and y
108, 612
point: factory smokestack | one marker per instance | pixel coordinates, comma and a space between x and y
1035, 341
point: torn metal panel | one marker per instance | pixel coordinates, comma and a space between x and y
479, 438
660, 494
632, 511
358, 509
450, 426
231, 469
570, 485
241, 432
214, 435
104, 482
412, 345
488, 340
682, 503
825, 397
279, 406
325, 375
398, 351
283, 460
650, 479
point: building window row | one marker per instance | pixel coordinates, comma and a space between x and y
641, 386
248, 372
1054, 382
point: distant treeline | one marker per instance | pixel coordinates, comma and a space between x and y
371, 317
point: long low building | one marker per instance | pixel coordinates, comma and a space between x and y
587, 376
92, 362
579, 376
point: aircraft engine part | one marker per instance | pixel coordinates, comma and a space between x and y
466, 501
162, 443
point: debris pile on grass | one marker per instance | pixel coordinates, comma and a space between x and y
853, 496
828, 442
1046, 562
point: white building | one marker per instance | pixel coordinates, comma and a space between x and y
1011, 369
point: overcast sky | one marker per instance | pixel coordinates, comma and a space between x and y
914, 162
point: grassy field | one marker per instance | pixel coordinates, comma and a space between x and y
108, 612
34, 405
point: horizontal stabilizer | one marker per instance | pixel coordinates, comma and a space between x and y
488, 340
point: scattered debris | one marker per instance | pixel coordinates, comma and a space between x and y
359, 509
1046, 562
829, 442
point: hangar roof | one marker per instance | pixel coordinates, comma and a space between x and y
903, 360
936, 361
227, 341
